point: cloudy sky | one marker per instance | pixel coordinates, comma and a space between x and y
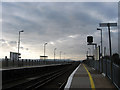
64, 26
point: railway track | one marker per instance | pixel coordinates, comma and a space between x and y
49, 79
40, 81
32, 82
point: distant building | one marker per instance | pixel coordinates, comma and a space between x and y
14, 56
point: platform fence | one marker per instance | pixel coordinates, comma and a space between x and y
96, 64
7, 63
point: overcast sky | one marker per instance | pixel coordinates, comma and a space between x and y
64, 26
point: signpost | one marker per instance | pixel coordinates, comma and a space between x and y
110, 48
106, 24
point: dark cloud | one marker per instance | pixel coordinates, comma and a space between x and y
55, 22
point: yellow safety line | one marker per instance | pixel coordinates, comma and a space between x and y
90, 77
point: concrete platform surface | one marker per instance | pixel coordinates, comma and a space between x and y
85, 77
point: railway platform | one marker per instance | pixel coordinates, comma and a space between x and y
85, 77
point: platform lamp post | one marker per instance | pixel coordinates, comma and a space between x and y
54, 53
64, 56
101, 48
87, 54
19, 42
60, 54
110, 48
101, 41
44, 50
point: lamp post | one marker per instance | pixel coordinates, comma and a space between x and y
101, 41
104, 51
108, 25
44, 50
64, 55
101, 49
87, 55
60, 54
19, 42
54, 53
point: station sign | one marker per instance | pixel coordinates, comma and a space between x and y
107, 24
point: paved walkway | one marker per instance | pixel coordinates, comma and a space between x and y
85, 77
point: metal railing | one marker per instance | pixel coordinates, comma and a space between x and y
107, 70
7, 63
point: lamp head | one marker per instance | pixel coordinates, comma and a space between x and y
99, 29
45, 43
21, 31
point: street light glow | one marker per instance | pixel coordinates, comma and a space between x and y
19, 41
